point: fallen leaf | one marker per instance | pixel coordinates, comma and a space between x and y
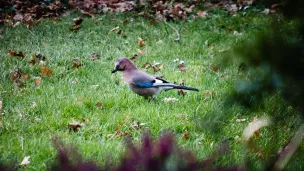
74, 126
76, 62
84, 120
137, 125
45, 71
110, 135
95, 57
214, 67
140, 42
266, 11
170, 99
181, 67
25, 161
14, 53
87, 13
16, 75
75, 81
254, 126
181, 92
202, 14
79, 99
207, 93
155, 68
99, 105
75, 28
77, 21
186, 135
134, 58
37, 81
161, 67
146, 65
153, 21
42, 63
33, 105
25, 76
0, 105
211, 46
141, 52
114, 29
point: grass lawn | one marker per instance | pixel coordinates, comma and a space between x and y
32, 114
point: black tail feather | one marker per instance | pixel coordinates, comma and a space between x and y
185, 88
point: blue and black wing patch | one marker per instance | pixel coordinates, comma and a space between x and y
144, 84
150, 84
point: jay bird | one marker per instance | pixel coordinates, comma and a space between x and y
142, 83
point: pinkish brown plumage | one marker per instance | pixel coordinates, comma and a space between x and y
142, 83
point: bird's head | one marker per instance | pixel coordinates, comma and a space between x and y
123, 64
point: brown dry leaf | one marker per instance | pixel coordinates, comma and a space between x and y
0, 105
14, 53
141, 52
170, 99
95, 57
153, 21
182, 83
25, 161
186, 135
134, 58
77, 21
110, 136
36, 58
45, 71
182, 67
75, 28
202, 14
33, 61
99, 105
16, 75
87, 14
84, 120
140, 42
214, 67
146, 65
79, 99
155, 68
181, 92
76, 62
30, 25
74, 126
119, 133
208, 93
25, 76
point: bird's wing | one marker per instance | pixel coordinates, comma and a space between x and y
143, 80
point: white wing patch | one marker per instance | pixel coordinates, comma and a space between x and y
158, 81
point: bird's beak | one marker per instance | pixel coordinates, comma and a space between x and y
114, 70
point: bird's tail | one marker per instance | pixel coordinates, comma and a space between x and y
174, 86
184, 87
